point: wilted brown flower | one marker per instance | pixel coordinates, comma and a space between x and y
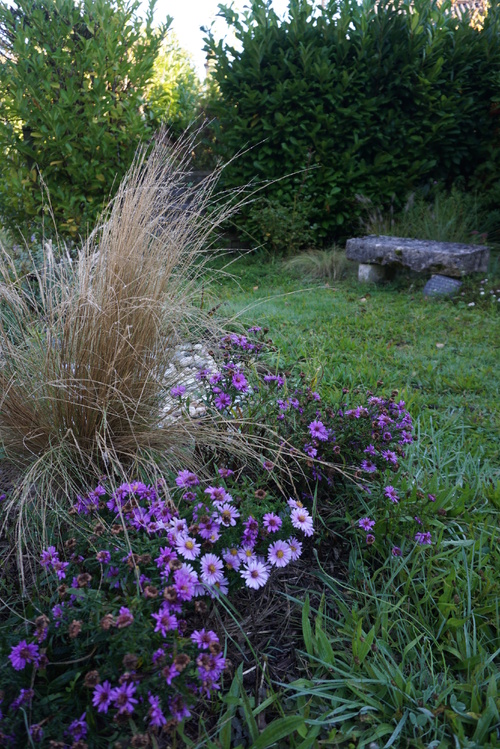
170, 594
92, 679
150, 591
62, 590
74, 628
260, 494
130, 662
140, 741
83, 579
215, 648
116, 529
107, 622
181, 661
70, 544
200, 607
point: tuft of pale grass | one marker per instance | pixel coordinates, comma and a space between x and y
327, 265
86, 345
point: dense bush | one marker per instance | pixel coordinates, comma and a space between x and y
370, 99
72, 110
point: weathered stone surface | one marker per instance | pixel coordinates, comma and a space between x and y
441, 286
448, 258
369, 273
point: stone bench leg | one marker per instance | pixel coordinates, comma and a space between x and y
371, 273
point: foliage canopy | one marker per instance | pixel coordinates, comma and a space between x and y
72, 111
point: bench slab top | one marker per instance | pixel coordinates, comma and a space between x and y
448, 258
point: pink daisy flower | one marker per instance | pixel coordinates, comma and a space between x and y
279, 554
188, 547
295, 548
228, 514
211, 569
302, 520
255, 574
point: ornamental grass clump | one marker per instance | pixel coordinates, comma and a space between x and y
87, 345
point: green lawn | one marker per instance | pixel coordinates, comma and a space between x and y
443, 355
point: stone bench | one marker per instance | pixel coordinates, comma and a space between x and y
377, 253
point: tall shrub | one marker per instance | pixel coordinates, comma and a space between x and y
370, 98
72, 110
175, 91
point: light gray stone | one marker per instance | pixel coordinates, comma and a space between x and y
448, 258
369, 273
441, 286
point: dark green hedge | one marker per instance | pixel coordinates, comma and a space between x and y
368, 100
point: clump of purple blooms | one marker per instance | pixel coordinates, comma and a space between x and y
153, 595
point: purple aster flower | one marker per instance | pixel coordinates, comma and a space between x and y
125, 618
178, 708
231, 558
101, 698
103, 556
203, 638
271, 522
60, 568
390, 456
370, 450
368, 466
406, 438
165, 621
211, 569
49, 556
185, 581
387, 436
225, 473
279, 554
222, 401
78, 728
247, 554
318, 430
310, 450
302, 520
178, 391
123, 698
189, 496
391, 493
366, 524
396, 551
423, 538
186, 479
25, 696
24, 653
36, 732
370, 539
431, 497
155, 712
239, 382
170, 672
158, 655
218, 494
255, 574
